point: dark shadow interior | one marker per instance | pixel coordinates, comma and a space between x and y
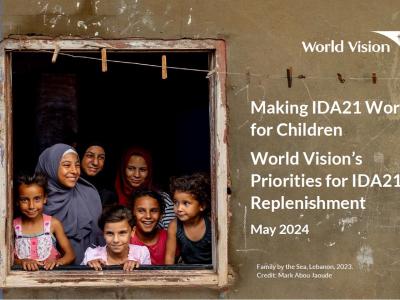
74, 101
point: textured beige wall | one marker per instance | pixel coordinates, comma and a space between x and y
264, 37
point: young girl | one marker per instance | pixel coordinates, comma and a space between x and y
192, 228
148, 208
117, 222
36, 234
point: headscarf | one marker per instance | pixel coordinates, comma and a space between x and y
77, 208
123, 188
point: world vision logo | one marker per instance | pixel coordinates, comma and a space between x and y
340, 46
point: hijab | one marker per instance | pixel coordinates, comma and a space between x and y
123, 188
77, 208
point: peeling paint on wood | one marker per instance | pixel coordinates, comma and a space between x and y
113, 278
2, 153
69, 43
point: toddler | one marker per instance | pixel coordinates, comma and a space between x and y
191, 230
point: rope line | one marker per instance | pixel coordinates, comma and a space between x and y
214, 71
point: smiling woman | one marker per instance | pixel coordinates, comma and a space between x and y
94, 168
71, 199
136, 171
69, 169
93, 160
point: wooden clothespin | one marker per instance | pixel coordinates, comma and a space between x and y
211, 73
103, 60
55, 54
164, 74
289, 76
340, 78
374, 78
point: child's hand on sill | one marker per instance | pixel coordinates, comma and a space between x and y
49, 264
96, 264
130, 265
31, 264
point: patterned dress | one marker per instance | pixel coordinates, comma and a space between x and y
40, 246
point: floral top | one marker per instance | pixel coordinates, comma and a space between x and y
39, 246
137, 253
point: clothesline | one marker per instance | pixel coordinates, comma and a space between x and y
213, 71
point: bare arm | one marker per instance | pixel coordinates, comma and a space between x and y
171, 244
63, 241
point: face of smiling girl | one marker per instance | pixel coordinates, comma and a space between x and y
147, 214
69, 170
117, 236
31, 200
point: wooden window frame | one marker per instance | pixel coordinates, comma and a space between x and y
216, 277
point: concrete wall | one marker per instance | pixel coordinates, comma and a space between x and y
264, 38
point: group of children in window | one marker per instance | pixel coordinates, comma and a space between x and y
68, 216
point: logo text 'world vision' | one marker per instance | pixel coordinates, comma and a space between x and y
342, 46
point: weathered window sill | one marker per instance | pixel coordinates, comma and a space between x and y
112, 278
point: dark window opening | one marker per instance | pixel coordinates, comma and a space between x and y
127, 105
